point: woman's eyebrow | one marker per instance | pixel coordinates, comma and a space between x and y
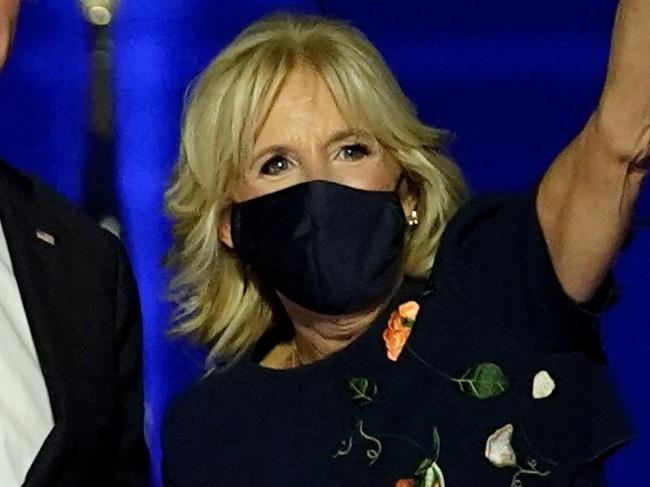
272, 149
335, 137
346, 133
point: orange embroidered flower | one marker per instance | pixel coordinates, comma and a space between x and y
395, 341
405, 483
399, 328
409, 310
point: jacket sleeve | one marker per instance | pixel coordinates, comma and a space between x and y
497, 257
131, 455
495, 262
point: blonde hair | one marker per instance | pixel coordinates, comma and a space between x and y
218, 301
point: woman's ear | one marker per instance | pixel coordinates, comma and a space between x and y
225, 231
408, 196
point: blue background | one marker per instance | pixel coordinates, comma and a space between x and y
513, 80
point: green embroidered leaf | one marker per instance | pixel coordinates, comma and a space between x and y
436, 444
422, 469
427, 462
408, 322
484, 381
362, 390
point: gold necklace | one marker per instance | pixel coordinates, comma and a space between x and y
294, 358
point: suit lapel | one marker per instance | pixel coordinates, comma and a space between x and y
40, 268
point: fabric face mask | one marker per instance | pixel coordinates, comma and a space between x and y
329, 248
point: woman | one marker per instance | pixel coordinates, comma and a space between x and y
367, 331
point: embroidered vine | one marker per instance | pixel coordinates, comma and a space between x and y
362, 391
532, 470
372, 452
483, 381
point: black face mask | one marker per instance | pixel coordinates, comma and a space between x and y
329, 248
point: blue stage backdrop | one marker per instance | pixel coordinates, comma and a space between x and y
513, 80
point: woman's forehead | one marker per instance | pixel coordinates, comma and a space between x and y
304, 92
303, 107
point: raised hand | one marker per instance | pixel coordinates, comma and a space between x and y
624, 110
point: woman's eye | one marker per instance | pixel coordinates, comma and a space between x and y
354, 152
275, 166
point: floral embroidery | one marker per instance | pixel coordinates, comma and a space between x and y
498, 448
409, 311
405, 483
499, 451
432, 477
362, 390
399, 328
543, 385
428, 474
373, 448
531, 470
483, 381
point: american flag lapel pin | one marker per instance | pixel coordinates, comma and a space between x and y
48, 238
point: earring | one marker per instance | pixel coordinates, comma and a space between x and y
413, 219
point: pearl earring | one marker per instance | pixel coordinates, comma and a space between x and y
413, 219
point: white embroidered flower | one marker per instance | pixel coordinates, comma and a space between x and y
433, 476
498, 448
543, 385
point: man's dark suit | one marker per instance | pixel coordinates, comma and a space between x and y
82, 306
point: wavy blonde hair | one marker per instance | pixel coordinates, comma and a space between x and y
219, 302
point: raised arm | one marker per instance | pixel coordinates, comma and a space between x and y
587, 196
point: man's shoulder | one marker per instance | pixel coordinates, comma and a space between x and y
37, 197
